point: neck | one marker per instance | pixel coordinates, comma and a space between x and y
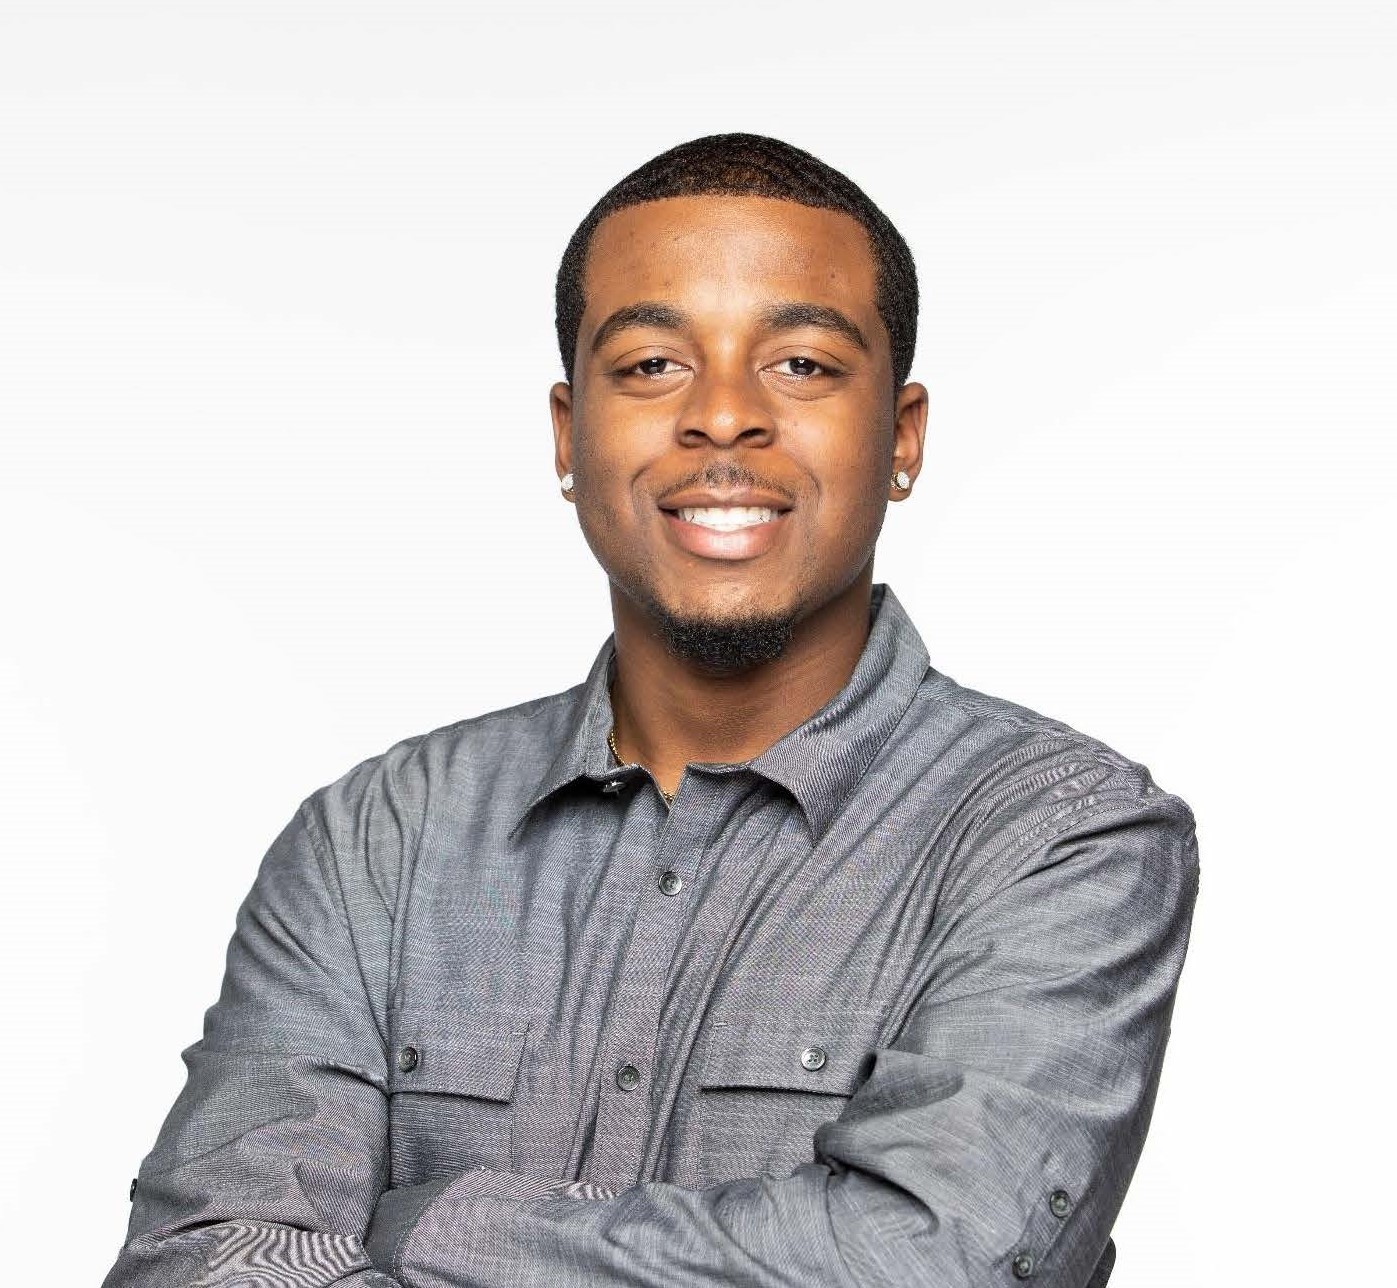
669, 712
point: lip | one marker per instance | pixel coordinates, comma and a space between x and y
697, 499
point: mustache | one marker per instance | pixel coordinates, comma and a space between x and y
729, 474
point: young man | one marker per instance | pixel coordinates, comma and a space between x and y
768, 955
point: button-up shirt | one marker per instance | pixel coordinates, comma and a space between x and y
885, 1005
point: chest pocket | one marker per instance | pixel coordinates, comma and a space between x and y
451, 1086
766, 1086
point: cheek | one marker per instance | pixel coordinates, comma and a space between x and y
610, 507
612, 447
850, 469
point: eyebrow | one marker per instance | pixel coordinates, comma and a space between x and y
778, 317
787, 317
651, 313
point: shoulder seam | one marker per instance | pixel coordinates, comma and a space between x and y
1047, 728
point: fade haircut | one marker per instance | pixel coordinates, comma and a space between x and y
750, 165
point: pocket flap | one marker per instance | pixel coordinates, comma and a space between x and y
455, 1057
821, 1056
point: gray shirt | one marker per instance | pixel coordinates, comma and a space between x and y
884, 1006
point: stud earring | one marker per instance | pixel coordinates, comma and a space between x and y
902, 480
565, 482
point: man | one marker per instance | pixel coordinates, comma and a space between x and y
768, 955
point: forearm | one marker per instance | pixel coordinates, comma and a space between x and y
961, 1225
288, 1196
232, 1253
492, 1228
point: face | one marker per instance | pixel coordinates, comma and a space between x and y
732, 426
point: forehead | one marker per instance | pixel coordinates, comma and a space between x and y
725, 253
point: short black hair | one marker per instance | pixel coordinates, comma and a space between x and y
750, 165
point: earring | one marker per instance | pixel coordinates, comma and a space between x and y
902, 480
565, 482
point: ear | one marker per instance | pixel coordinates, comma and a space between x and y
909, 434
560, 408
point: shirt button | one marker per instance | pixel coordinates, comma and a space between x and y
671, 883
613, 785
1023, 1266
1060, 1204
813, 1057
628, 1077
407, 1059
134, 1182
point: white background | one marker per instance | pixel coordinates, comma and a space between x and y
276, 490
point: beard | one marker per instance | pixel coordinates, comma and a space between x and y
726, 647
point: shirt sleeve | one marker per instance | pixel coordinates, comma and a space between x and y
269, 1164
992, 1141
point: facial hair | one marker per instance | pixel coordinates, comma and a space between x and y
725, 646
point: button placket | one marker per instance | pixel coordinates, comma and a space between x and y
623, 1114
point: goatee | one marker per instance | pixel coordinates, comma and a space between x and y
725, 646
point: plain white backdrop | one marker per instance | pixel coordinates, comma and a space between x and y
276, 490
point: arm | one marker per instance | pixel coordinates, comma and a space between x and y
1026, 1068
276, 1150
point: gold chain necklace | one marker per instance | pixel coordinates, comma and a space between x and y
611, 742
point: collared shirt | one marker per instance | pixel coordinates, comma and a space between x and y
885, 1005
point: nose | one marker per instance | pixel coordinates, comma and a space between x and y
726, 408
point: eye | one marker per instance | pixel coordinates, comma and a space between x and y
800, 367
653, 367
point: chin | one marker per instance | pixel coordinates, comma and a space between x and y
728, 645
724, 633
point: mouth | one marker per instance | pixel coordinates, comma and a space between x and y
725, 532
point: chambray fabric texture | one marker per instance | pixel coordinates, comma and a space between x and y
886, 1006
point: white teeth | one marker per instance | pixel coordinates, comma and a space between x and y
727, 518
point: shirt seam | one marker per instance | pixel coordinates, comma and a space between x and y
1047, 728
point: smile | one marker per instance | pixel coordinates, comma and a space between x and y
729, 532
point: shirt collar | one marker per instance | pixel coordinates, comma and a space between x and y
819, 762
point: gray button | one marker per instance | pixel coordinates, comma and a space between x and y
671, 883
407, 1059
134, 1183
628, 1077
813, 1057
1023, 1266
1060, 1203
613, 785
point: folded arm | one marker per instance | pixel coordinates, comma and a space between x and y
273, 1157
1003, 1121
